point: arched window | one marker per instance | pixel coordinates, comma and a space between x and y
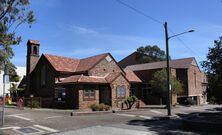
43, 75
35, 50
120, 92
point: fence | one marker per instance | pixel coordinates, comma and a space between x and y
42, 102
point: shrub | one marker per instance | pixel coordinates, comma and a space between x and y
99, 107
104, 107
190, 101
130, 101
213, 100
33, 104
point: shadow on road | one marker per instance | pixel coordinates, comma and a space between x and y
174, 126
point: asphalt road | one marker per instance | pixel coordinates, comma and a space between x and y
44, 121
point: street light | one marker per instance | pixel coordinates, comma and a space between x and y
168, 66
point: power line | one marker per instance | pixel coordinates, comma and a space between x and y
139, 12
182, 42
157, 21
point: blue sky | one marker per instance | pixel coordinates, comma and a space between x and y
82, 28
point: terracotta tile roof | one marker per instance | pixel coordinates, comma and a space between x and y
131, 76
83, 79
112, 76
87, 63
65, 64
62, 64
178, 63
35, 42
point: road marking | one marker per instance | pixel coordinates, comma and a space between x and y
130, 115
183, 113
53, 117
157, 112
20, 117
195, 109
5, 128
46, 128
17, 114
145, 117
127, 115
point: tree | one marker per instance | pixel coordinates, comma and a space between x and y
150, 54
159, 83
13, 13
213, 68
130, 101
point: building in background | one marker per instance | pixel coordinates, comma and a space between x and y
21, 71
204, 83
186, 70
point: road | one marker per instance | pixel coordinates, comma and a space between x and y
43, 121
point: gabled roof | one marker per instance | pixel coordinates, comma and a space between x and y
22, 84
82, 79
65, 64
131, 76
109, 78
112, 76
90, 62
178, 63
31, 42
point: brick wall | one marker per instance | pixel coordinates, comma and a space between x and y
174, 99
84, 104
104, 67
120, 81
194, 81
33, 61
146, 75
35, 83
183, 77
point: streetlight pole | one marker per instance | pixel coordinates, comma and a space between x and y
168, 71
169, 92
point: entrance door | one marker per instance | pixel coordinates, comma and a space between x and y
105, 95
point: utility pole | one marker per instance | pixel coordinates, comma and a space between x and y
168, 71
169, 92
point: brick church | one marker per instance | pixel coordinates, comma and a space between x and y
76, 83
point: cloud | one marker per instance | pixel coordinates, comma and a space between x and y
96, 34
82, 30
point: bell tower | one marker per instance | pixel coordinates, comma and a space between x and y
31, 60
32, 55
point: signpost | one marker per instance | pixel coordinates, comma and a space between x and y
5, 81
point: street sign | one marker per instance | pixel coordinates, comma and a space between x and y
6, 79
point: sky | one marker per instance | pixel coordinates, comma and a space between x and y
83, 28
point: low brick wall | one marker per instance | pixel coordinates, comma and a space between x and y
43, 102
174, 99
